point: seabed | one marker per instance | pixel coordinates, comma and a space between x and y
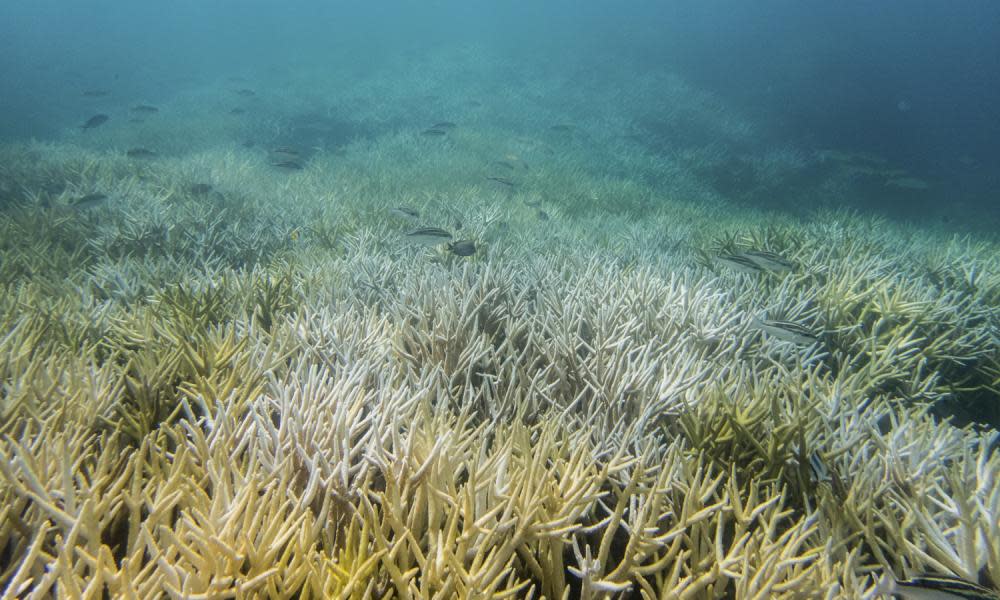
231, 379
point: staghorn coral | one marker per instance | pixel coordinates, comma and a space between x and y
193, 402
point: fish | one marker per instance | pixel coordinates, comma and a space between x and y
444, 125
768, 261
934, 587
145, 108
292, 165
140, 153
542, 215
199, 189
246, 92
907, 183
237, 111
88, 201
502, 181
739, 263
429, 236
405, 212
96, 93
285, 150
562, 128
462, 248
95, 121
432, 132
787, 331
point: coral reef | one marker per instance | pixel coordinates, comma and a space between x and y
258, 389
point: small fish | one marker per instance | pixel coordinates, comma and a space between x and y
429, 236
145, 109
561, 128
140, 153
542, 215
96, 93
787, 331
432, 132
199, 189
291, 165
934, 587
285, 150
136, 120
405, 212
462, 248
95, 121
769, 261
237, 111
248, 144
739, 263
88, 201
444, 125
502, 181
246, 93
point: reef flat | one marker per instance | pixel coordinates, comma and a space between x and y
227, 377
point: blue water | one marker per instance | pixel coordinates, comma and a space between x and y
915, 83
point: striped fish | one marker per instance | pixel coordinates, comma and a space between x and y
934, 587
429, 236
768, 261
738, 262
787, 331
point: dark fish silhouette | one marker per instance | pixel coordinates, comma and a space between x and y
89, 200
96, 93
502, 181
95, 121
462, 248
140, 153
246, 93
237, 111
145, 108
434, 132
444, 125
199, 189
291, 165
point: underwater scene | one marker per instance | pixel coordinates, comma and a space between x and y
649, 299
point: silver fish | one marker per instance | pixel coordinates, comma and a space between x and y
429, 236
739, 263
768, 261
934, 587
787, 331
